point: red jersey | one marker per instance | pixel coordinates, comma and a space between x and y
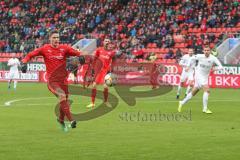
105, 57
55, 60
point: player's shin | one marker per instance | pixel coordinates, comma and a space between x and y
188, 89
187, 98
15, 84
179, 89
205, 100
66, 109
9, 84
105, 94
61, 115
93, 96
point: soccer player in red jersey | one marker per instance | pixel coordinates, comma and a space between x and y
102, 65
55, 55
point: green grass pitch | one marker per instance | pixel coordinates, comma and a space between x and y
28, 128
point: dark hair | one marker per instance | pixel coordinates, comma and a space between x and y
53, 32
206, 46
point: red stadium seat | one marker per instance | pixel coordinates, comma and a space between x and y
214, 30
219, 30
190, 30
195, 30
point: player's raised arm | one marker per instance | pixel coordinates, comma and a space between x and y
29, 56
218, 65
74, 52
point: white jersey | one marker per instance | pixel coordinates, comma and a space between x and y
204, 67
13, 63
205, 64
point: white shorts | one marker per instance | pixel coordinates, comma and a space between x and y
186, 76
13, 75
200, 81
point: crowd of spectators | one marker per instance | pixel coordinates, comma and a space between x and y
26, 23
157, 21
132, 23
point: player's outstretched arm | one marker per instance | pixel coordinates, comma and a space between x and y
218, 63
78, 53
27, 58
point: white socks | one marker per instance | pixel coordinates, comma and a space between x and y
187, 98
188, 89
179, 90
15, 84
205, 100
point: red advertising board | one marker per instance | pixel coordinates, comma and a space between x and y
141, 74
27, 77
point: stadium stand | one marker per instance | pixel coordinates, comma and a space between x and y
157, 26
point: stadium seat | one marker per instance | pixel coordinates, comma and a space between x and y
219, 30
190, 30
214, 30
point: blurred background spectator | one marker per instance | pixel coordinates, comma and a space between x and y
167, 24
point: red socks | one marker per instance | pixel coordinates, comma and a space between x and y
61, 115
94, 93
105, 94
65, 111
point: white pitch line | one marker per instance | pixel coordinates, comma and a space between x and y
8, 103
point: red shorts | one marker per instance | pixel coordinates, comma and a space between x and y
57, 88
100, 76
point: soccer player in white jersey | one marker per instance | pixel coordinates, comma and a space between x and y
14, 63
187, 72
206, 62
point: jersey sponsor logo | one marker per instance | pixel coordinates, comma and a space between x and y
105, 56
58, 57
204, 66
